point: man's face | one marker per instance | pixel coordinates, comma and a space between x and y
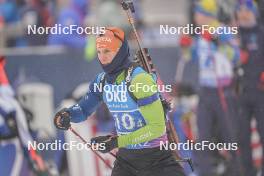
108, 44
105, 55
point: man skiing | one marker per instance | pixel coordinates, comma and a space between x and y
15, 135
138, 114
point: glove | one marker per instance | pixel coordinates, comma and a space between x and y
109, 141
62, 120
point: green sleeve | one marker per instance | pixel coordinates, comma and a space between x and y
152, 113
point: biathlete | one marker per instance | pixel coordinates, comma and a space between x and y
138, 114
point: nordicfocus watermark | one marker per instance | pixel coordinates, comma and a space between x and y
137, 87
59, 145
191, 29
66, 30
204, 145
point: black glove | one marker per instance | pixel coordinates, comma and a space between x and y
62, 119
109, 141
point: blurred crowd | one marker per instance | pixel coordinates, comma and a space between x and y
16, 15
231, 82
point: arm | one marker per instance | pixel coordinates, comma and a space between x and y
87, 105
153, 114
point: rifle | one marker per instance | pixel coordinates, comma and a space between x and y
143, 58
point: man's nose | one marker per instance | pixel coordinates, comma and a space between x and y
103, 56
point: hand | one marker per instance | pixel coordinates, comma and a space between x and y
62, 120
109, 141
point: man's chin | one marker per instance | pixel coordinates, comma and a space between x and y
105, 64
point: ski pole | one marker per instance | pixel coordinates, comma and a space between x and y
127, 166
90, 146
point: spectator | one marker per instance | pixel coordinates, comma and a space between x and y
35, 12
8, 10
251, 97
216, 109
71, 15
15, 135
8, 15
